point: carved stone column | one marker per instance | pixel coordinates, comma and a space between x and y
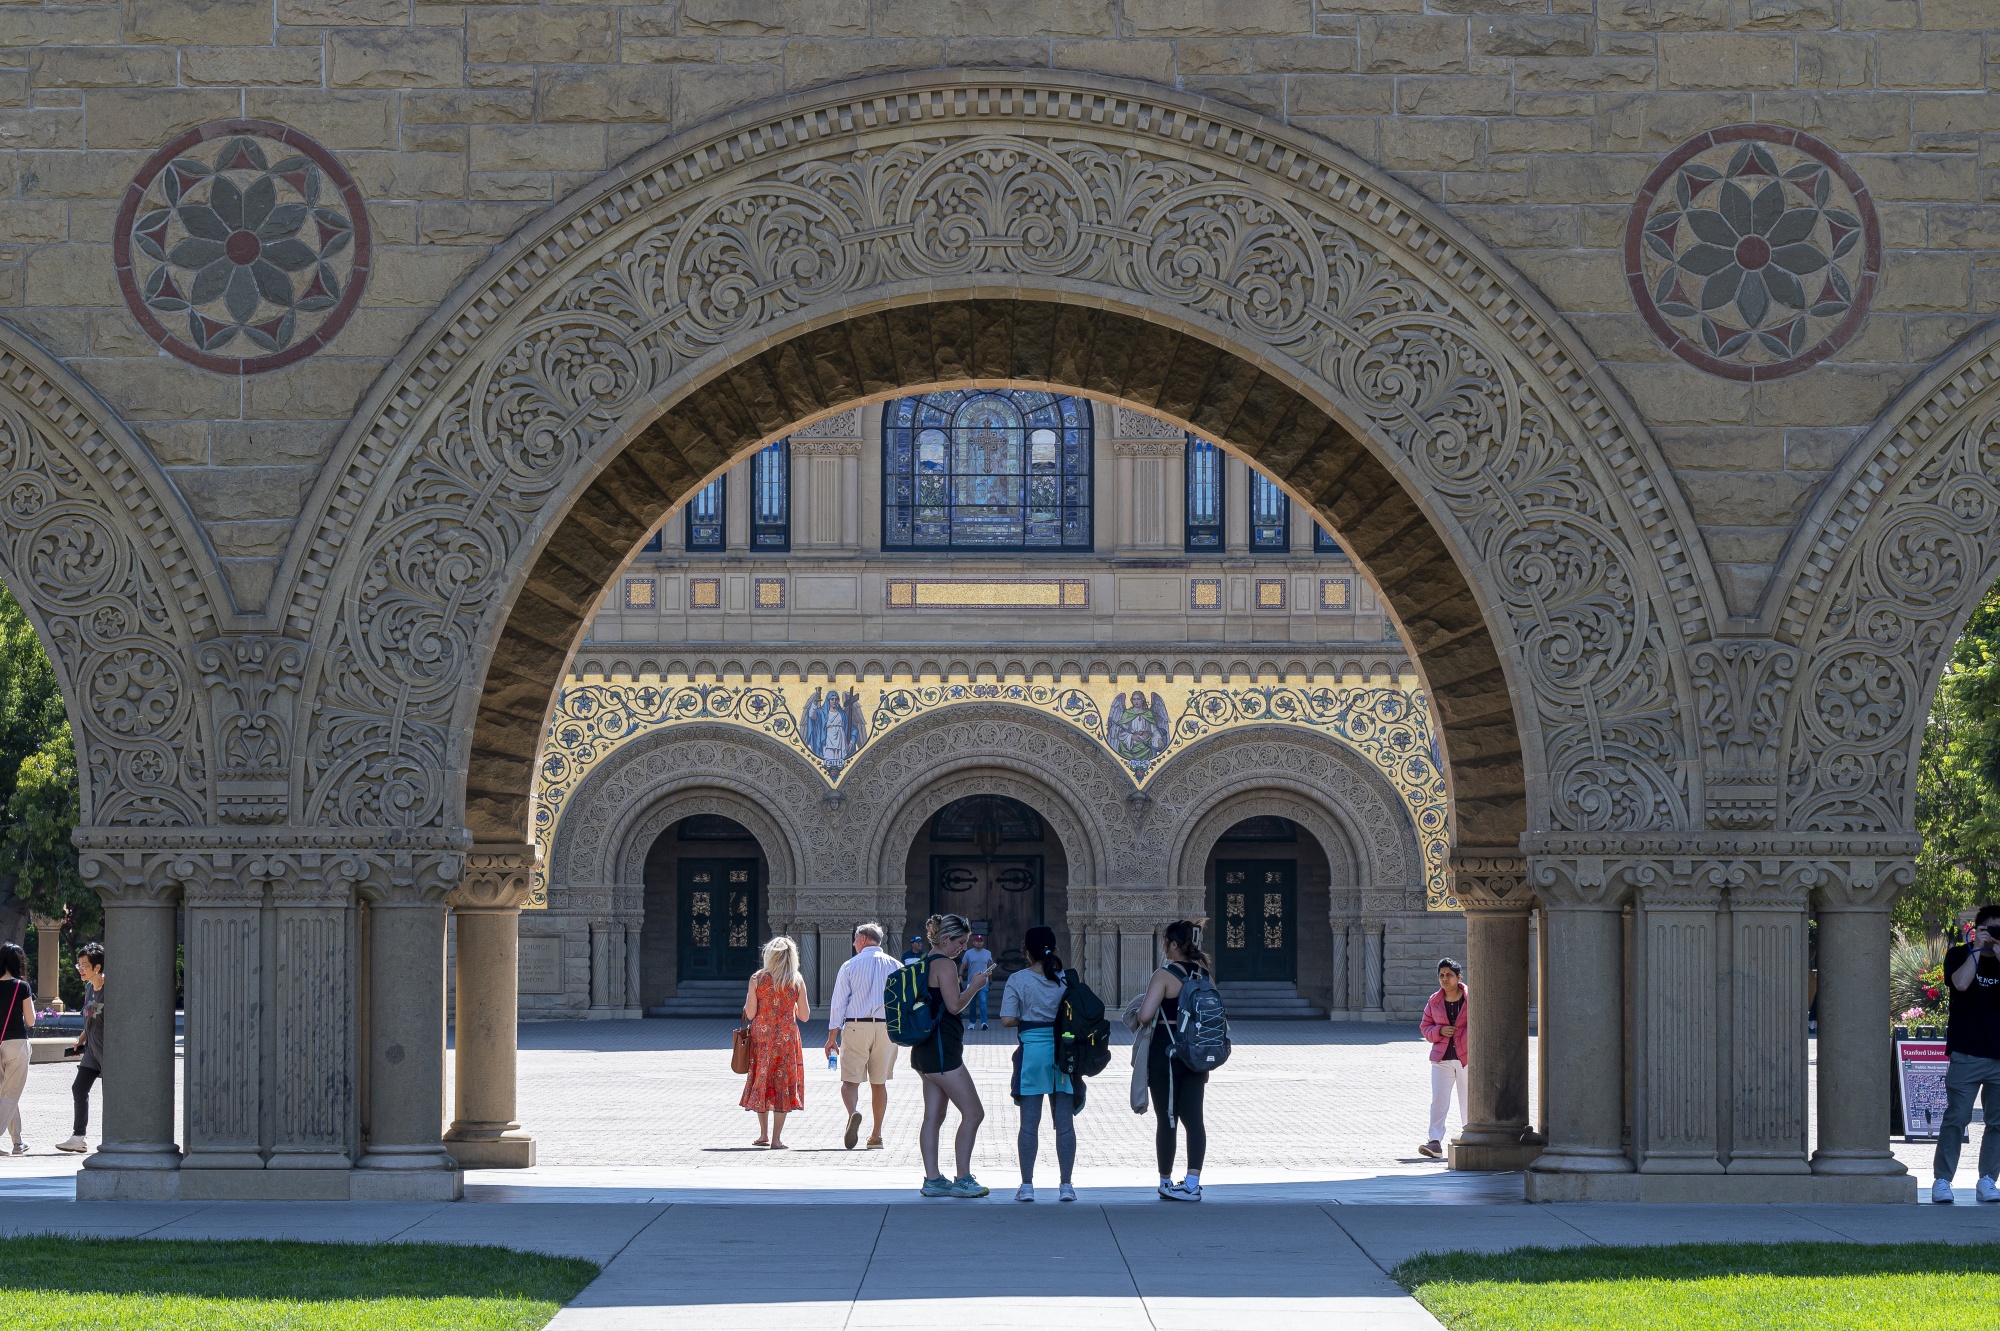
404, 1158
1768, 961
1852, 898
635, 1005
48, 960
224, 985
1678, 1021
1584, 1022
487, 907
600, 968
137, 1159
1491, 887
312, 921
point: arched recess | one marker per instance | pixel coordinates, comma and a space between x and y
121, 587
990, 749
1350, 808
598, 839
1883, 574
938, 229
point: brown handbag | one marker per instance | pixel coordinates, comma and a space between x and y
739, 1050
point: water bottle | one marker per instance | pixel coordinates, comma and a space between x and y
833, 1061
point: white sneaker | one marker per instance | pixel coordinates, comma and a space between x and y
1025, 1193
1167, 1191
1181, 1192
20, 1148
1941, 1192
1066, 1194
75, 1145
1989, 1190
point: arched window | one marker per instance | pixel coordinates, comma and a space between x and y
975, 469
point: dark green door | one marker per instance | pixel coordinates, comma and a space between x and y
1257, 902
718, 925
1001, 896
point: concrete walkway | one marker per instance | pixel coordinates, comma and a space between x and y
1107, 1262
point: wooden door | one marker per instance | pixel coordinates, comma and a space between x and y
718, 919
1002, 896
1257, 904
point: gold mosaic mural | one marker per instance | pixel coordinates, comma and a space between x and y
1142, 723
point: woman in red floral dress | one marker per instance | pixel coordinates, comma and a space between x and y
774, 1007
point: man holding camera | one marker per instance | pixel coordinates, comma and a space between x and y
1972, 1035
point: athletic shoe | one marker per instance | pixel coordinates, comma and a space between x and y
937, 1187
1989, 1191
1025, 1193
1431, 1149
75, 1145
20, 1148
1067, 1194
853, 1131
1166, 1192
1181, 1192
967, 1187
1941, 1192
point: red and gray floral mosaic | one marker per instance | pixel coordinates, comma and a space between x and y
242, 246
1753, 251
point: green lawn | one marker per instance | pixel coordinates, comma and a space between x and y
1712, 1287
49, 1283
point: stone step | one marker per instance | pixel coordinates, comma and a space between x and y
1267, 1000
703, 998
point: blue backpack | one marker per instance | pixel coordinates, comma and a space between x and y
906, 1005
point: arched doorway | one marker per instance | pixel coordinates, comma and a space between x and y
706, 913
994, 860
1269, 902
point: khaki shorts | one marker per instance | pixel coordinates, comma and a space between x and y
866, 1052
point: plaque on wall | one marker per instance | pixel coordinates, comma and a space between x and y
541, 965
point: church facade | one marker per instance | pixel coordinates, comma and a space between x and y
1636, 354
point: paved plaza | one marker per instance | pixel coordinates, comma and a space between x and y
1315, 1194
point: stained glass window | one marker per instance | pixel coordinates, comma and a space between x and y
1323, 542
656, 543
705, 528
974, 469
771, 498
1270, 515
1204, 495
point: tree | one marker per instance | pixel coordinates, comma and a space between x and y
31, 718
1958, 783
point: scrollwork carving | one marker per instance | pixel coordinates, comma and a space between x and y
253, 685
1742, 688
1291, 254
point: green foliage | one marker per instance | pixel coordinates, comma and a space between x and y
1916, 978
38, 789
1958, 784
1712, 1287
155, 1285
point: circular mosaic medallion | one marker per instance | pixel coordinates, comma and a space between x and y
242, 246
1752, 251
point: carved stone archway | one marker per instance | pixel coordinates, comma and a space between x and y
1258, 286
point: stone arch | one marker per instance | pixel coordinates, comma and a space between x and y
121, 587
1883, 574
1349, 799
988, 749
1267, 800
1395, 376
603, 818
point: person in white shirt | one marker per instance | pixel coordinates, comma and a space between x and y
855, 1025
977, 959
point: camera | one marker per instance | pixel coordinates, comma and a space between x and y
1993, 932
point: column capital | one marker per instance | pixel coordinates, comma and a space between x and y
1490, 878
409, 877
1858, 884
1587, 882
498, 877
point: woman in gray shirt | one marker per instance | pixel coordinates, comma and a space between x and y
1029, 1007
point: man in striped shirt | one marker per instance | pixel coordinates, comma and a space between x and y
855, 1024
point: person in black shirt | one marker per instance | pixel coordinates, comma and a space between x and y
1972, 1035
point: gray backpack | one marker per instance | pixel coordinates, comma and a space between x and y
1200, 1034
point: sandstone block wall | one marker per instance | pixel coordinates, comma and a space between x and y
1533, 122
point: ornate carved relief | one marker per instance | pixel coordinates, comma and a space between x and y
1902, 550
841, 425
253, 686
91, 545
1742, 687
1127, 424
1278, 246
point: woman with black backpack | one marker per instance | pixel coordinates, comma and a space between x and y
1176, 1088
1030, 1006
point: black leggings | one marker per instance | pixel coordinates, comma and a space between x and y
80, 1092
1169, 1076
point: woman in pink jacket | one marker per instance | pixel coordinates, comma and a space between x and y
1444, 1026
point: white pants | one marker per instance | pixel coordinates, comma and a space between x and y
1445, 1077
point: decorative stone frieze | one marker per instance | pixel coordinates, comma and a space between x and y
1742, 688
253, 685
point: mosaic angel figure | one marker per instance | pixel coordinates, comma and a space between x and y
1138, 730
